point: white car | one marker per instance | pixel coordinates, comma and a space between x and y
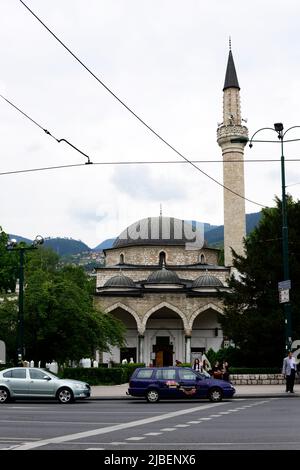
30, 382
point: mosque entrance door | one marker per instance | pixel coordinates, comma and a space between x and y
163, 352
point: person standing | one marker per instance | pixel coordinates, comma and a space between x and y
289, 371
197, 365
225, 370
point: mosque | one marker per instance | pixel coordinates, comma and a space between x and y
162, 280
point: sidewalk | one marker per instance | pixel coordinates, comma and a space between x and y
118, 392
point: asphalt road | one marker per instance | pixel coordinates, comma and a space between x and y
248, 424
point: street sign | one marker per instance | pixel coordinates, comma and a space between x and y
284, 296
284, 284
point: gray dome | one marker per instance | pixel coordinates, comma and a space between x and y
207, 280
159, 231
120, 281
163, 276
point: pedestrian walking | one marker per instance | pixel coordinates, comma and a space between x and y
289, 371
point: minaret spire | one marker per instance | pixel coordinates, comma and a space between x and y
233, 165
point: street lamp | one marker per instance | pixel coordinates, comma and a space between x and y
13, 246
285, 285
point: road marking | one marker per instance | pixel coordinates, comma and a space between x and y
118, 427
152, 433
215, 416
134, 438
95, 448
93, 423
181, 425
194, 422
205, 419
19, 438
168, 429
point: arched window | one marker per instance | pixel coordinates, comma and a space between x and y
121, 259
202, 259
162, 258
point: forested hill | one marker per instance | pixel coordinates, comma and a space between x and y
66, 246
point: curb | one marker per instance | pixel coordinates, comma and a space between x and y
258, 395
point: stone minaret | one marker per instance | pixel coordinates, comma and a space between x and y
233, 173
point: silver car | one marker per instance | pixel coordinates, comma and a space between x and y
23, 382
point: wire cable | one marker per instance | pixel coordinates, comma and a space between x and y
134, 114
46, 130
153, 162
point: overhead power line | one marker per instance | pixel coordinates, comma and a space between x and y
46, 130
153, 162
134, 114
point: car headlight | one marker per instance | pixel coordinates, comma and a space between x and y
81, 386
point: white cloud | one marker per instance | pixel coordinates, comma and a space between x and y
166, 60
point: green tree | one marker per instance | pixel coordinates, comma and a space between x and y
8, 324
60, 321
253, 317
8, 265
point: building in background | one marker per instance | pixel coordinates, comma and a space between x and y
167, 292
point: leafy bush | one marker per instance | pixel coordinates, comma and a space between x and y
128, 369
102, 375
96, 376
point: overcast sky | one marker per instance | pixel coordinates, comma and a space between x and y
167, 60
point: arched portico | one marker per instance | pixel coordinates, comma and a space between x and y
206, 330
130, 319
165, 326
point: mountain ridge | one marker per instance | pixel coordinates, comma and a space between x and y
64, 246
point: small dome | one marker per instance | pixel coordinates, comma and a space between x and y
207, 280
120, 281
163, 276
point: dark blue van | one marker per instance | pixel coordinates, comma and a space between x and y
155, 383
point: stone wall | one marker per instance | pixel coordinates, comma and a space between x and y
149, 255
257, 379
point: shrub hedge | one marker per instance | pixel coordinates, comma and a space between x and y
116, 375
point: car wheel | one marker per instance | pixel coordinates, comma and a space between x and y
4, 395
152, 396
65, 395
215, 394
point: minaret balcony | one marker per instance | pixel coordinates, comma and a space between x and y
226, 133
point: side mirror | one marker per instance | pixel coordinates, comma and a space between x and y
46, 377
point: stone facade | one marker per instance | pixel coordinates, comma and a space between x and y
166, 317
149, 255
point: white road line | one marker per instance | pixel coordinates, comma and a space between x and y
95, 448
134, 438
91, 423
19, 438
118, 427
152, 433
168, 429
215, 416
181, 425
83, 412
193, 422
205, 419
